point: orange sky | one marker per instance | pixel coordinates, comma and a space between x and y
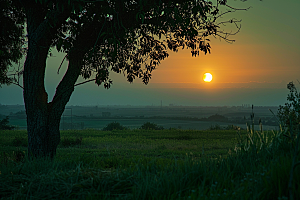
266, 52
264, 58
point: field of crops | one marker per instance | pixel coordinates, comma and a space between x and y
149, 164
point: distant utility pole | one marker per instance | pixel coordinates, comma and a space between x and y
160, 104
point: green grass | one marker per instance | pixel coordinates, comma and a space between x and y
153, 164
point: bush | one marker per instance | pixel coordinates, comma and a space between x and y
289, 114
215, 127
4, 124
68, 141
114, 126
233, 127
151, 126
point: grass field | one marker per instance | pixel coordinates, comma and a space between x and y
153, 164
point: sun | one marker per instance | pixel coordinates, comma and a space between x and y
207, 77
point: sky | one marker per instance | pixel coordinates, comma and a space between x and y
255, 69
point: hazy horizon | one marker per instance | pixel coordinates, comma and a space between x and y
154, 96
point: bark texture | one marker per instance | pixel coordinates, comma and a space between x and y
43, 118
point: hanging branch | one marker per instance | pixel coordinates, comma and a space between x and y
61, 64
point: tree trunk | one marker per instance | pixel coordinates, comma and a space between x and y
43, 118
43, 133
42, 123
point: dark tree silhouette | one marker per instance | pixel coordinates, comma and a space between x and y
99, 37
11, 40
4, 124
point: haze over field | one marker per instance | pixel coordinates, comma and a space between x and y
253, 70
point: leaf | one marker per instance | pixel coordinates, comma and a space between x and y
103, 33
137, 17
59, 44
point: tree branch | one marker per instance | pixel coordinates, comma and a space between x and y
61, 64
238, 8
84, 82
18, 85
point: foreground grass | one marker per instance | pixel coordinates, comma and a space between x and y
135, 164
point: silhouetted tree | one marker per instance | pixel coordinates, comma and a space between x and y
289, 114
11, 40
100, 36
4, 124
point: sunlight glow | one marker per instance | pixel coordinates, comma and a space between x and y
207, 77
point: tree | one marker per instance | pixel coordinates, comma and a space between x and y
289, 114
99, 37
4, 124
11, 39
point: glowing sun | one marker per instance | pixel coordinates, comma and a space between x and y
207, 77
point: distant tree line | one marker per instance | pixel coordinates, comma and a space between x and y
213, 118
4, 124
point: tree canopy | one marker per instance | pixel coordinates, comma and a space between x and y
98, 36
11, 38
122, 36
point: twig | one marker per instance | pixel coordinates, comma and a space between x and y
61, 64
238, 8
84, 82
18, 85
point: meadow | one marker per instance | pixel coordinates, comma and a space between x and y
153, 164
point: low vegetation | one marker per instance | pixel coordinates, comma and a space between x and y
114, 126
153, 164
151, 126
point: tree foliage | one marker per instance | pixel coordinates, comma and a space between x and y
11, 38
151, 126
131, 37
4, 124
114, 126
289, 114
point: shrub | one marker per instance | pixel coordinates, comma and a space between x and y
114, 126
68, 141
215, 127
233, 127
151, 126
289, 114
4, 124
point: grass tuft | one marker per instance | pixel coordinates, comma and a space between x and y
20, 141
